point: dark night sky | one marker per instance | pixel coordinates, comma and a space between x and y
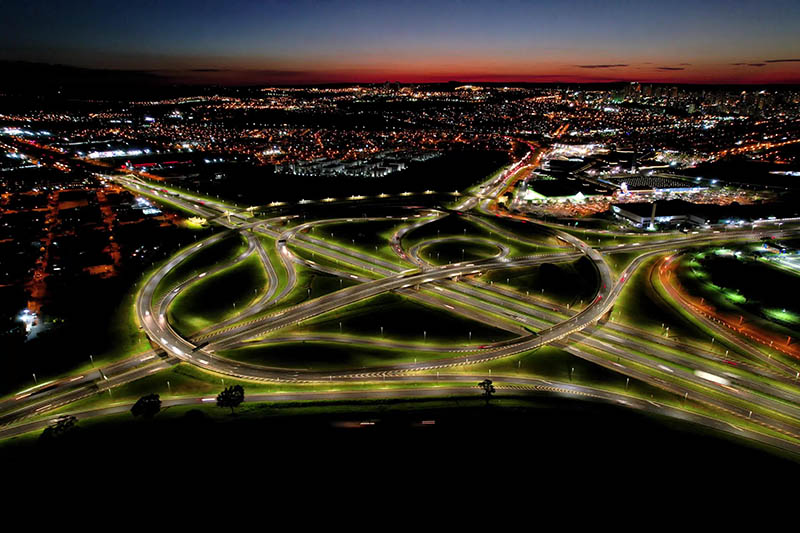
304, 41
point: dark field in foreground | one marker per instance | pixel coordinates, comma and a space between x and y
540, 437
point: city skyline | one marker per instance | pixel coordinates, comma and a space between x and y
340, 42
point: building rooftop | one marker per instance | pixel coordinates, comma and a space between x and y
564, 187
652, 182
711, 212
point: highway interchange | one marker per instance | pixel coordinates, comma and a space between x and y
756, 397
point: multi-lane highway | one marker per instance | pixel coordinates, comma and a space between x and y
393, 280
761, 395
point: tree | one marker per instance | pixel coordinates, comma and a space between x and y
231, 397
147, 406
61, 428
488, 389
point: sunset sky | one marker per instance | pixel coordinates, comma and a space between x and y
303, 41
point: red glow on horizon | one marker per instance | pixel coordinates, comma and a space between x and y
788, 73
